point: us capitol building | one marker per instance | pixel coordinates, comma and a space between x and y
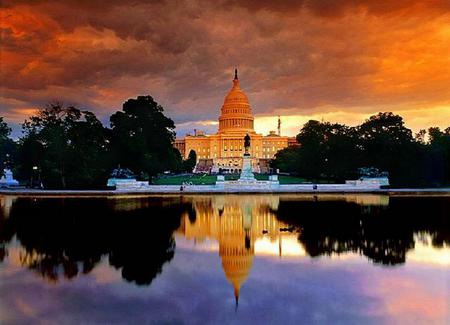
223, 151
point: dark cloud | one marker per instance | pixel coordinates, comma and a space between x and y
334, 8
291, 55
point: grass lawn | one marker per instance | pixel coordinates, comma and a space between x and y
198, 179
284, 179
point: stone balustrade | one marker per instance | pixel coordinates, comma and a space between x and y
241, 186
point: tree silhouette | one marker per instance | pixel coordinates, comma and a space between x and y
142, 137
7, 146
190, 163
68, 146
335, 152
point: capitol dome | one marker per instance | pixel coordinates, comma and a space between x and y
236, 113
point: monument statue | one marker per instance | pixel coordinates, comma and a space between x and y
246, 144
247, 170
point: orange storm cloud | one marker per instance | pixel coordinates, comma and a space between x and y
343, 59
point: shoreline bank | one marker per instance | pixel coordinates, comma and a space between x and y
175, 190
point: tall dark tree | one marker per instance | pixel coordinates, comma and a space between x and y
67, 146
287, 160
311, 153
7, 146
90, 141
4, 131
189, 163
142, 137
327, 150
438, 162
340, 153
388, 145
178, 162
30, 154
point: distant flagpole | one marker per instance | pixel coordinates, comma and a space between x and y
279, 125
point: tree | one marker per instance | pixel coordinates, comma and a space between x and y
4, 130
142, 137
341, 155
326, 150
389, 146
336, 151
68, 146
438, 162
177, 164
287, 160
7, 146
88, 140
190, 162
30, 153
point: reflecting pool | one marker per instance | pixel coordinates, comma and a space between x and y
263, 259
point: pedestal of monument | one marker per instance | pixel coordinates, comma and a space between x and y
247, 175
8, 179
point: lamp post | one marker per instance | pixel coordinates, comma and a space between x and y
34, 168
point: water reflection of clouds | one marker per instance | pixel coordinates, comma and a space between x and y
407, 298
192, 286
427, 254
105, 274
286, 246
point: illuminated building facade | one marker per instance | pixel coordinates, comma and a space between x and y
223, 151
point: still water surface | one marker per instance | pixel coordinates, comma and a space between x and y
225, 259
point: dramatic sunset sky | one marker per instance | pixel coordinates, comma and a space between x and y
340, 60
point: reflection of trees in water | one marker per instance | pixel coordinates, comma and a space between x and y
384, 235
68, 236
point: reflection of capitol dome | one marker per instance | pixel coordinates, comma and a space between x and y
236, 222
236, 113
237, 262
